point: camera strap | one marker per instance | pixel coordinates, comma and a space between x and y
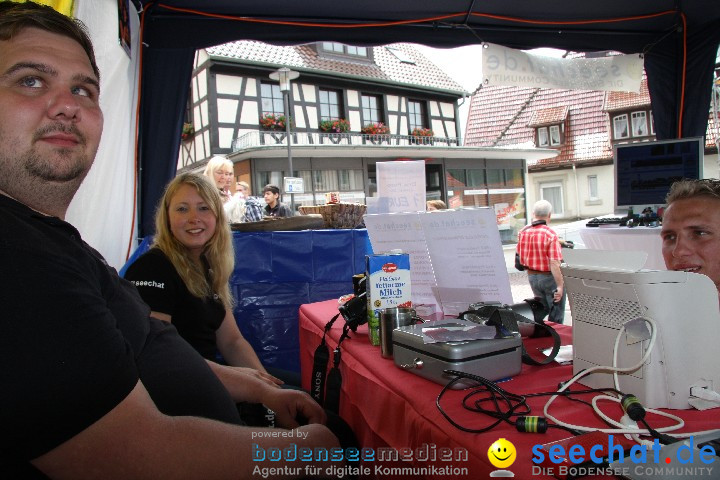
509, 319
334, 380
555, 349
320, 362
328, 395
505, 320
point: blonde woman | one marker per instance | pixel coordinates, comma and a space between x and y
220, 171
184, 276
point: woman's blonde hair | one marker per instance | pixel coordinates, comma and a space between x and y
218, 250
214, 165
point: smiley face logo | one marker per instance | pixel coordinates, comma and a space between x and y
502, 453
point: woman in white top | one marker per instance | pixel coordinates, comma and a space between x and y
220, 170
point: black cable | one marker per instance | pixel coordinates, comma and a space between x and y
665, 439
504, 405
491, 386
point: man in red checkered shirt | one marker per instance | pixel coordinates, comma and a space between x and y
539, 250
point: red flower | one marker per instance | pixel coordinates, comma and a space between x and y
378, 128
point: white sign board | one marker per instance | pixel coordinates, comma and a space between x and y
293, 185
401, 186
405, 231
507, 66
456, 256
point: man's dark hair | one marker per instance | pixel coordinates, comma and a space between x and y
271, 188
708, 187
16, 17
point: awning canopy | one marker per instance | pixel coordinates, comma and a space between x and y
679, 38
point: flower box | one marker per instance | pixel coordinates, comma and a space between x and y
422, 132
271, 121
375, 129
188, 131
335, 126
422, 136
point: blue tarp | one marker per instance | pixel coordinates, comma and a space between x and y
276, 272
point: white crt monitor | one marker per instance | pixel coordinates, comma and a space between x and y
606, 289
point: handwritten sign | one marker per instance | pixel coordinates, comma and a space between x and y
402, 185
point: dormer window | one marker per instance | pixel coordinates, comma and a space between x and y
636, 124
555, 135
549, 136
340, 49
542, 135
620, 127
549, 125
639, 124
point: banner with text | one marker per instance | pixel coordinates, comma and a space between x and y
507, 66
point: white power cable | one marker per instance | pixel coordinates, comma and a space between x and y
622, 429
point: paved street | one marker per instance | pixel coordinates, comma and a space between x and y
519, 283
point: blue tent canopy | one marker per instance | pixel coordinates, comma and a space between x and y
679, 39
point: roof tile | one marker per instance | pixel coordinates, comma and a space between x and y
615, 101
385, 65
548, 116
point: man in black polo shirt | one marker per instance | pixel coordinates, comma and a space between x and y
274, 207
91, 386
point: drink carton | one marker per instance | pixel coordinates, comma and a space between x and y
388, 285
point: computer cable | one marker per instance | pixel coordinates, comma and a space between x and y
511, 401
504, 405
621, 427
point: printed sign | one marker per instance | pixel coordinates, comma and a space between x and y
293, 185
456, 257
507, 66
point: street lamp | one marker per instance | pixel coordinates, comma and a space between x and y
284, 75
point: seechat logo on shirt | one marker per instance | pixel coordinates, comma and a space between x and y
148, 283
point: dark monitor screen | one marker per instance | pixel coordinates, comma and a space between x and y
645, 171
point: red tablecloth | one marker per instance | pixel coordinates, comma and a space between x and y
389, 407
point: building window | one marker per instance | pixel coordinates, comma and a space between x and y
329, 105
341, 49
416, 115
337, 180
357, 51
593, 187
553, 193
348, 181
272, 99
542, 135
652, 124
370, 109
639, 124
620, 127
555, 135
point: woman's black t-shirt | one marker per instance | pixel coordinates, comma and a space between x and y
196, 319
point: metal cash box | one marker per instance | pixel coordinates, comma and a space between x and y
492, 359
